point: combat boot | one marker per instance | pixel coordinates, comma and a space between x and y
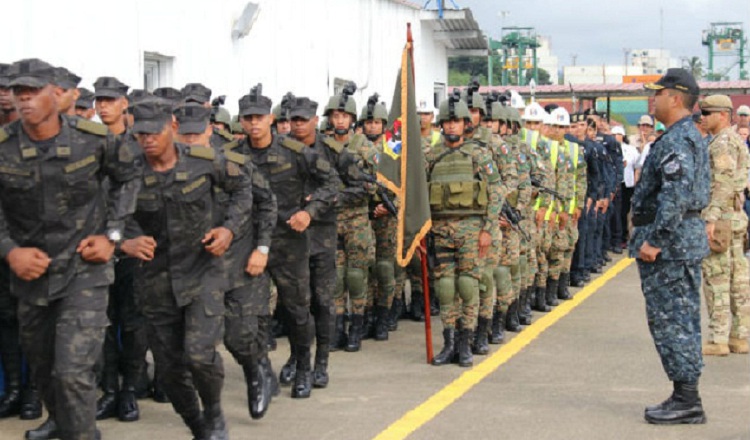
449, 347
45, 431
481, 344
258, 390
197, 427
562, 287
684, 406
106, 406
270, 376
354, 343
381, 324
465, 358
417, 305
395, 312
31, 403
303, 379
524, 307
216, 427
713, 349
289, 370
368, 328
511, 319
576, 280
338, 342
434, 305
127, 405
551, 294
738, 345
320, 371
10, 404
540, 302
498, 327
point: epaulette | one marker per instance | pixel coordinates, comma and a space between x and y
231, 145
235, 157
201, 152
293, 145
334, 144
225, 134
91, 127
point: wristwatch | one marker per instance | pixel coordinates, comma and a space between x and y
263, 249
114, 235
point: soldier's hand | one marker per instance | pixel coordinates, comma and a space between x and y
710, 230
576, 215
142, 247
605, 205
96, 249
589, 201
217, 241
648, 253
540, 214
563, 220
299, 221
380, 211
504, 223
485, 240
28, 263
256, 264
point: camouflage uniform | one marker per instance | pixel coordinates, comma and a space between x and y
727, 281
557, 235
673, 189
52, 198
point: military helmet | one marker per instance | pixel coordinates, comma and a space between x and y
453, 108
374, 110
282, 109
513, 115
324, 124
498, 112
474, 100
222, 115
343, 101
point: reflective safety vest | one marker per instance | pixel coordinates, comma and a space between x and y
553, 152
573, 148
455, 189
435, 138
531, 138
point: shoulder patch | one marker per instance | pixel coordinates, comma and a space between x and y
293, 145
201, 152
235, 157
333, 144
225, 134
92, 127
3, 135
231, 145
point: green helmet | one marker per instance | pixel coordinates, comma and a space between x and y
374, 110
281, 111
452, 108
236, 127
324, 124
474, 101
222, 115
513, 114
497, 112
343, 101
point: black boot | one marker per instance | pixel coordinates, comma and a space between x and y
338, 341
562, 287
47, 430
511, 319
270, 376
381, 324
481, 344
31, 403
417, 306
303, 379
368, 328
354, 343
498, 327
465, 358
258, 390
449, 347
160, 396
320, 372
216, 427
576, 280
551, 293
264, 328
127, 405
289, 370
106, 406
197, 427
524, 307
396, 308
434, 305
540, 302
684, 406
10, 404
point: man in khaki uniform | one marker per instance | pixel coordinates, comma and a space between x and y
725, 270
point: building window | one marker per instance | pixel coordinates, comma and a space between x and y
157, 70
438, 94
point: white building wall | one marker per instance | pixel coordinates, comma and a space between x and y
294, 45
546, 60
598, 74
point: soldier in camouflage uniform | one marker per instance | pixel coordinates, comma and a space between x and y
465, 203
54, 211
282, 124
221, 120
67, 81
354, 233
669, 242
84, 107
727, 281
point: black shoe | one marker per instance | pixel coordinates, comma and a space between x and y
197, 427
511, 319
354, 343
160, 396
216, 426
303, 379
449, 347
106, 406
524, 307
127, 406
465, 358
31, 404
540, 302
551, 293
607, 258
320, 374
396, 308
270, 376
338, 342
587, 276
562, 287
10, 404
258, 390
576, 281
288, 371
47, 430
381, 323
684, 406
616, 249
368, 328
498, 327
417, 306
481, 344
597, 269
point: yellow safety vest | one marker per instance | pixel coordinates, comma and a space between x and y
553, 151
573, 148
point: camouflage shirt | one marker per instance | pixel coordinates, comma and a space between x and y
729, 169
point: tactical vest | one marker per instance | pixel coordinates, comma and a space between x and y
573, 148
455, 189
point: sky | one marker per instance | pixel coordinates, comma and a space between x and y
598, 31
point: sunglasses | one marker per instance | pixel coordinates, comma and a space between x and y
706, 113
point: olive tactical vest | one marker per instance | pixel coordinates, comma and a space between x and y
455, 189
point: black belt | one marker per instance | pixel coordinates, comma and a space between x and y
647, 219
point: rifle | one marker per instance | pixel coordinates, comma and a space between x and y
514, 218
536, 183
382, 192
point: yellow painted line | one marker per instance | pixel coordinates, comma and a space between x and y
439, 401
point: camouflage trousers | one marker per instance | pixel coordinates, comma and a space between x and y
571, 230
63, 341
672, 292
10, 342
245, 306
543, 250
508, 273
459, 269
527, 252
726, 289
561, 249
352, 261
488, 284
322, 280
388, 275
183, 341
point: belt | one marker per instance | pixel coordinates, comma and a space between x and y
647, 219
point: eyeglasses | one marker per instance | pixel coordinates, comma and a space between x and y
706, 113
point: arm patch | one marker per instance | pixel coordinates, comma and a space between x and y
201, 152
92, 127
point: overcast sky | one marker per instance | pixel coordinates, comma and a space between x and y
597, 31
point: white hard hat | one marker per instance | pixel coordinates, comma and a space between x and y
534, 113
547, 118
424, 106
618, 129
560, 116
516, 101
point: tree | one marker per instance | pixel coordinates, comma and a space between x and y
694, 65
544, 77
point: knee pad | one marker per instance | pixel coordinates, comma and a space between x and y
356, 281
487, 283
385, 272
468, 288
446, 290
502, 276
